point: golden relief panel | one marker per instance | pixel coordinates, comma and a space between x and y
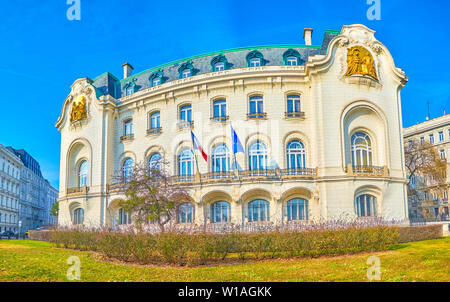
79, 111
360, 61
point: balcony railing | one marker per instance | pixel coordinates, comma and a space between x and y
294, 114
220, 118
217, 176
257, 116
185, 124
154, 130
298, 173
127, 137
77, 191
369, 170
258, 174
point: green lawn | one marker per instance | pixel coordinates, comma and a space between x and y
417, 261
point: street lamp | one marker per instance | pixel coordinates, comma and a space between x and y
20, 226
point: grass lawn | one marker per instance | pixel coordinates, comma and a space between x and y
40, 261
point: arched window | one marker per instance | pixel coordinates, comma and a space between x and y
127, 169
295, 155
220, 159
361, 150
186, 114
291, 57
259, 210
365, 205
186, 163
293, 105
78, 216
154, 162
124, 217
257, 156
220, 110
220, 212
83, 174
155, 120
254, 59
297, 209
185, 213
256, 108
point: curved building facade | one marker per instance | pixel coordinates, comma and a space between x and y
320, 129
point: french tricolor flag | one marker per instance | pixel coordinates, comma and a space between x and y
198, 147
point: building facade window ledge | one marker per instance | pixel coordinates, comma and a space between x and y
128, 137
294, 115
370, 171
76, 191
154, 131
362, 80
185, 125
220, 119
257, 116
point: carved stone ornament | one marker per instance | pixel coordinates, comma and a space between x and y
79, 110
360, 61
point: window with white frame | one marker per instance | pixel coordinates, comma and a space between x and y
295, 155
431, 136
297, 209
186, 163
365, 205
185, 213
83, 173
291, 60
220, 159
441, 136
255, 62
257, 156
127, 169
258, 210
128, 127
219, 66
361, 150
220, 212
186, 73
155, 120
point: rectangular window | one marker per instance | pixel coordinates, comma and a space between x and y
155, 121
442, 153
128, 127
431, 139
130, 90
293, 104
255, 62
186, 114
220, 108
186, 73
219, 66
256, 105
441, 136
291, 61
422, 140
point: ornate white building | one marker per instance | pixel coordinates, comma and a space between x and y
321, 127
10, 167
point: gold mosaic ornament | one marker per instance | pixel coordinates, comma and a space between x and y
360, 61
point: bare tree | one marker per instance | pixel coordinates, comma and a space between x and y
151, 194
426, 173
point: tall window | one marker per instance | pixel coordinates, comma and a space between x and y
186, 114
155, 120
186, 73
127, 169
220, 212
441, 136
293, 105
259, 210
257, 156
128, 127
220, 109
186, 163
219, 66
361, 150
365, 205
256, 109
431, 139
78, 216
295, 155
83, 174
220, 159
124, 217
291, 60
185, 213
154, 162
297, 209
442, 153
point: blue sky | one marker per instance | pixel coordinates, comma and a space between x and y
43, 53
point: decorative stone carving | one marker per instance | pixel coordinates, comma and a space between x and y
360, 61
79, 110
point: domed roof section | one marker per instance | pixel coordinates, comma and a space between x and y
274, 55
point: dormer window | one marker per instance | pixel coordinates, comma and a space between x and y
156, 81
291, 58
156, 78
130, 87
219, 66
255, 59
130, 90
186, 73
255, 62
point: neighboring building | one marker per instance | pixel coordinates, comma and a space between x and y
36, 194
320, 127
437, 132
10, 167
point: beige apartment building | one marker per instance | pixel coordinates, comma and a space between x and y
320, 128
436, 131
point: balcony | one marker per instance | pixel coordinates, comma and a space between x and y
217, 177
220, 119
374, 171
77, 191
294, 114
127, 137
298, 173
154, 131
185, 124
263, 174
257, 116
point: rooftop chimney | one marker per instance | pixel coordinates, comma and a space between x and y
127, 69
307, 34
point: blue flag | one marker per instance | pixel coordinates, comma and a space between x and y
237, 146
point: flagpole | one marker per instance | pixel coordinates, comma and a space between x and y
195, 156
